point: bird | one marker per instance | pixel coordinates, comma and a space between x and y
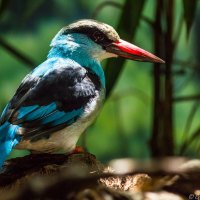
60, 98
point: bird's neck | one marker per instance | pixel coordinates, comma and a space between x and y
81, 57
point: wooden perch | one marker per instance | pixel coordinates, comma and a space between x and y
81, 176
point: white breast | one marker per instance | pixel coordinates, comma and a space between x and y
65, 140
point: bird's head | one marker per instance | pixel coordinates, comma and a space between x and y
100, 41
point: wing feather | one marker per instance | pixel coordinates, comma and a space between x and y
49, 102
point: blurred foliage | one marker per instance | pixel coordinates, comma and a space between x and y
189, 12
127, 29
124, 127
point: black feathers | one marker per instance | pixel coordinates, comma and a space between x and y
93, 33
67, 88
100, 33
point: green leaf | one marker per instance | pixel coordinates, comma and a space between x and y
189, 7
126, 28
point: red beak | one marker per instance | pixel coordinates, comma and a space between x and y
130, 51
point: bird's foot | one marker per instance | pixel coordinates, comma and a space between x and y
78, 150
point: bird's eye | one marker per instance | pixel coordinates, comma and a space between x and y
97, 36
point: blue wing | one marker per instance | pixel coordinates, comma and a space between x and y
50, 98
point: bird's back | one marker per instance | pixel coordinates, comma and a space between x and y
54, 104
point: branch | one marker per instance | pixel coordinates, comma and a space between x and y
186, 98
188, 64
148, 21
81, 176
185, 145
188, 126
15, 52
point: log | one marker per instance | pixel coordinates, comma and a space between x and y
82, 176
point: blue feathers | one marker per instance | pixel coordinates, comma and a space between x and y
8, 140
68, 117
5, 110
45, 67
36, 111
78, 48
25, 111
48, 114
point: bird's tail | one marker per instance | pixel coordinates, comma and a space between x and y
8, 139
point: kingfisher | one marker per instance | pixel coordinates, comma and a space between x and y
61, 97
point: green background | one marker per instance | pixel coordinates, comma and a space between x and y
124, 126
